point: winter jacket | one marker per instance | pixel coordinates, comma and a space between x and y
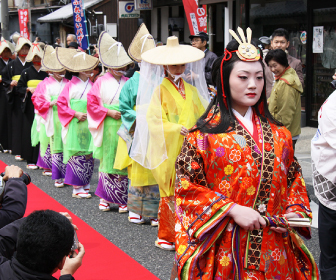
209, 60
10, 268
294, 63
285, 101
14, 201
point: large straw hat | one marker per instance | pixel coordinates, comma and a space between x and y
6, 44
76, 60
35, 49
15, 37
50, 61
142, 42
21, 41
172, 54
112, 53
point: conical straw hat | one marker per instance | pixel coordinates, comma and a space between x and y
172, 54
142, 42
112, 53
15, 37
35, 49
76, 60
6, 44
21, 41
50, 61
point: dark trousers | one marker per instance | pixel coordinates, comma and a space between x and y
327, 240
294, 142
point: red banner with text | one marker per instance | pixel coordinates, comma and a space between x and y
196, 16
23, 21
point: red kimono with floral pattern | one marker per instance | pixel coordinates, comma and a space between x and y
217, 171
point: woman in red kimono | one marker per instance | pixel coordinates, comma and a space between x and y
238, 183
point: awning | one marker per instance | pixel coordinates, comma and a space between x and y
64, 13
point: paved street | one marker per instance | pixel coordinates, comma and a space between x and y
138, 240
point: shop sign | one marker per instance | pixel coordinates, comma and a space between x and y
196, 16
79, 23
143, 5
127, 10
23, 22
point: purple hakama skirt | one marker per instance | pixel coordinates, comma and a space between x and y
45, 161
113, 188
79, 170
58, 167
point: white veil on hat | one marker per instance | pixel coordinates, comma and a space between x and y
148, 148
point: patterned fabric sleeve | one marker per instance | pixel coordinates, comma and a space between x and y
198, 208
298, 201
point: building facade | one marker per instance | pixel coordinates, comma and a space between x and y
317, 52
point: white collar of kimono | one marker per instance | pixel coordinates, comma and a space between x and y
23, 63
5, 61
246, 120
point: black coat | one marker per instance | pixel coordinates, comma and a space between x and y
29, 153
10, 268
14, 68
14, 201
209, 60
5, 115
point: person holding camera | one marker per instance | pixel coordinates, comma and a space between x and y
13, 197
38, 246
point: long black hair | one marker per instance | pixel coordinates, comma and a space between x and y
227, 118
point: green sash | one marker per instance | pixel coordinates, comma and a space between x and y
78, 139
56, 143
106, 153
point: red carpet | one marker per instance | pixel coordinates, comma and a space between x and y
103, 260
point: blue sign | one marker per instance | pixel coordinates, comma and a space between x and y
143, 5
80, 23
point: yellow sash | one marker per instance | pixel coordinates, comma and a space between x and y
16, 78
33, 83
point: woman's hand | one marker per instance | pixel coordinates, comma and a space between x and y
283, 230
184, 131
247, 218
80, 116
52, 103
114, 114
14, 83
31, 89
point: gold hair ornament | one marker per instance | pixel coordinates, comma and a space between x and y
246, 51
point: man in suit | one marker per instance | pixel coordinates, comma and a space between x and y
280, 40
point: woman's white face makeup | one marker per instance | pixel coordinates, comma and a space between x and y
246, 84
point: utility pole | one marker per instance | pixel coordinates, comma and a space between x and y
4, 19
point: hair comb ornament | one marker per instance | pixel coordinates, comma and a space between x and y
246, 51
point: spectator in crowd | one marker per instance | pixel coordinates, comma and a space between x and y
323, 154
42, 243
57, 43
266, 44
200, 41
71, 38
13, 200
37, 39
73, 45
285, 100
280, 40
